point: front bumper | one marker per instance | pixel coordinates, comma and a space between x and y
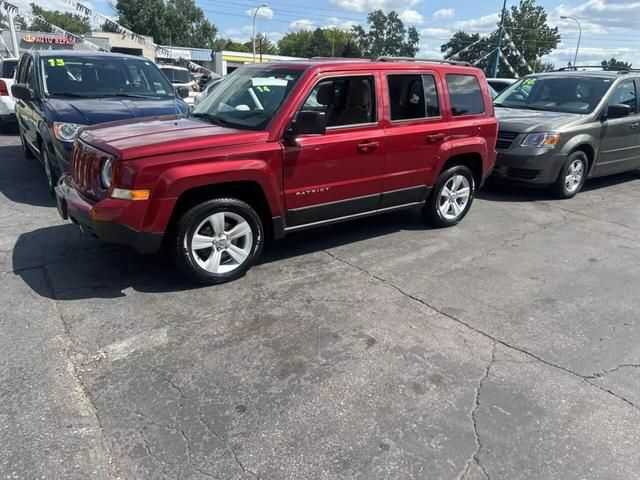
71, 205
528, 166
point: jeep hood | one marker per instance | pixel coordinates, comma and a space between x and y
527, 121
165, 135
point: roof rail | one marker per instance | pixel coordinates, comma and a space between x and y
429, 60
599, 67
336, 58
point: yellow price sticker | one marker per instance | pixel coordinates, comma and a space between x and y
56, 62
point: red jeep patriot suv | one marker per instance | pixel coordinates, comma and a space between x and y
282, 147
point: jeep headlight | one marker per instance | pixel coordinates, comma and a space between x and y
542, 139
66, 132
106, 172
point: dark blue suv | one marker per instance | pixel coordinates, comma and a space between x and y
58, 92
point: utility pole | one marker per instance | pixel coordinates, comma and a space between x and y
496, 64
12, 29
567, 17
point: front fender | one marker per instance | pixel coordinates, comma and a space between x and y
577, 141
177, 180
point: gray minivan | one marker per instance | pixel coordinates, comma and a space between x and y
558, 129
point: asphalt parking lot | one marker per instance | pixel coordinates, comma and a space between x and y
504, 348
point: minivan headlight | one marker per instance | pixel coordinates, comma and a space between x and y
542, 139
106, 172
66, 132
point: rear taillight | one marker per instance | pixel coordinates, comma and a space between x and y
4, 91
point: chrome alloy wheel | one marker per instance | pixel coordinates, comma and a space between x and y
573, 178
222, 242
454, 197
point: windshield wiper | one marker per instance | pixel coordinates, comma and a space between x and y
211, 118
68, 94
129, 95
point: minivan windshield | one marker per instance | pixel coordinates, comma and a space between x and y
249, 98
93, 77
561, 93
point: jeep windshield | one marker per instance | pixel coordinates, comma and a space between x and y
249, 98
562, 93
104, 76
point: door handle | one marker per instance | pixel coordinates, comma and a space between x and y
436, 137
367, 147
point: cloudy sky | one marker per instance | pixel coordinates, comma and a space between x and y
610, 27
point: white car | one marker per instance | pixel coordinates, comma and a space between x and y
500, 84
181, 77
210, 87
7, 103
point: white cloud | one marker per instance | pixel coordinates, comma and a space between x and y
263, 12
336, 22
444, 14
483, 24
410, 16
368, 5
302, 24
438, 33
600, 16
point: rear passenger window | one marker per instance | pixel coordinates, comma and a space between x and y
413, 97
465, 95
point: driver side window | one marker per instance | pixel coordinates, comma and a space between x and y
346, 101
625, 94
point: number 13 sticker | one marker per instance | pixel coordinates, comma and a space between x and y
56, 62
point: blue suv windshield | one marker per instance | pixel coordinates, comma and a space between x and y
94, 77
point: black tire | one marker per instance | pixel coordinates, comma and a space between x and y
185, 257
49, 170
25, 148
432, 210
560, 188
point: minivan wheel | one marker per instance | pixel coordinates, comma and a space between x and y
572, 176
451, 198
52, 178
218, 240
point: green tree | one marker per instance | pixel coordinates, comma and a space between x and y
526, 25
263, 44
387, 35
176, 22
227, 44
321, 42
146, 17
613, 63
70, 22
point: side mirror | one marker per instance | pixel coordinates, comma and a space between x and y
183, 92
618, 110
309, 122
21, 91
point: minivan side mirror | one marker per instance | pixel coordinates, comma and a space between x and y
618, 110
21, 91
183, 92
309, 122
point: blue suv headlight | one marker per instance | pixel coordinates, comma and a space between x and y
66, 132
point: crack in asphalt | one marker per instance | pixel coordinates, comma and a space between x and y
112, 467
227, 446
611, 370
591, 217
475, 456
504, 343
